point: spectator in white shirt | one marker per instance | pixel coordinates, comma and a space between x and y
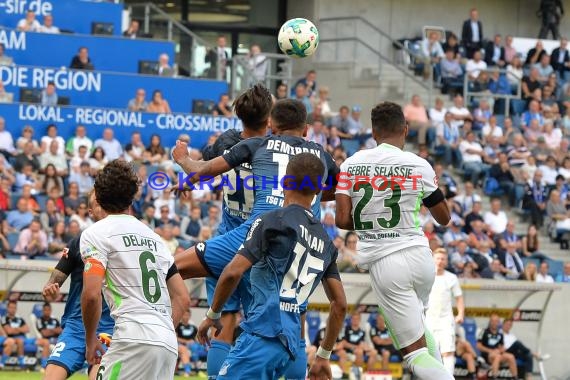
472, 154
6, 140
468, 199
549, 171
496, 219
110, 145
437, 113
29, 24
543, 275
81, 156
135, 149
258, 63
492, 130
460, 112
52, 135
80, 139
475, 65
53, 157
515, 71
48, 26
432, 52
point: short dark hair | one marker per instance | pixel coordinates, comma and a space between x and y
289, 114
388, 119
46, 304
115, 186
304, 173
12, 302
253, 107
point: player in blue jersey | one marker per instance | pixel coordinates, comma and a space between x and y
288, 252
268, 157
253, 108
68, 355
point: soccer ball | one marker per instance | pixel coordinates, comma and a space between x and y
298, 38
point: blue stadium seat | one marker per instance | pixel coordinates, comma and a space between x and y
41, 199
12, 238
2, 309
37, 310
30, 346
184, 243
470, 327
527, 260
313, 323
518, 106
556, 267
372, 319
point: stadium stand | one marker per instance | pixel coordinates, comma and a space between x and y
507, 151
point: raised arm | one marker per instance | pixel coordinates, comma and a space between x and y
198, 169
335, 293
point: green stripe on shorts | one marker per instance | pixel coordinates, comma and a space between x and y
390, 329
115, 371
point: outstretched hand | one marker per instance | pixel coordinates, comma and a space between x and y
180, 152
204, 329
320, 370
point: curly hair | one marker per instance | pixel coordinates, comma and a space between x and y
253, 107
116, 186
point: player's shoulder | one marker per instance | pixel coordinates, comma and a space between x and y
450, 276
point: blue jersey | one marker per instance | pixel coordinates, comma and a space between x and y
291, 253
238, 201
269, 157
73, 266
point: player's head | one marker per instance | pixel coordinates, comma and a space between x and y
288, 115
355, 319
253, 107
507, 325
11, 308
440, 258
304, 175
388, 122
116, 186
46, 310
494, 321
95, 209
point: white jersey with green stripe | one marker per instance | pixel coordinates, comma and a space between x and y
387, 187
136, 263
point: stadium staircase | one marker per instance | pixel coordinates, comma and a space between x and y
359, 62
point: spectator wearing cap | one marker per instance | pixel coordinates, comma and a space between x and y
564, 276
417, 118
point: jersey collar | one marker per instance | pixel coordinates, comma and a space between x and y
388, 146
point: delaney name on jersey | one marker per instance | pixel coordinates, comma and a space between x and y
139, 241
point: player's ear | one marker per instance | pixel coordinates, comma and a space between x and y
406, 129
306, 130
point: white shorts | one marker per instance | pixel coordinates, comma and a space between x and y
402, 283
131, 361
445, 339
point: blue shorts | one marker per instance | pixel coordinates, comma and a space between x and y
215, 254
255, 358
69, 352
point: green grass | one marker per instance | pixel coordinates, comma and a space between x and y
17, 375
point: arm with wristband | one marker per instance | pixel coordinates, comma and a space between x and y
335, 293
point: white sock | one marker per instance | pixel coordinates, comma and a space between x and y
426, 367
449, 363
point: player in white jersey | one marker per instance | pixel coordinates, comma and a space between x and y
439, 315
379, 194
145, 293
